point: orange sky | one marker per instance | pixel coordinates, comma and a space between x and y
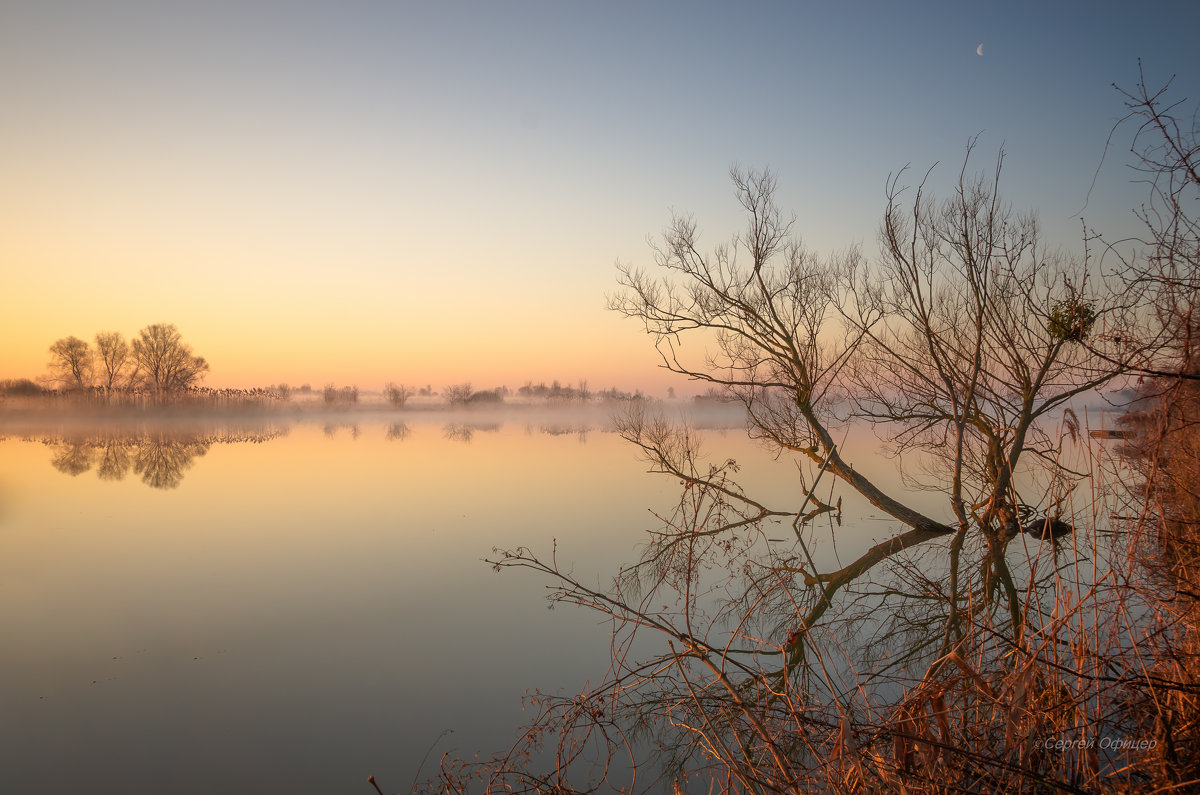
356, 194
307, 291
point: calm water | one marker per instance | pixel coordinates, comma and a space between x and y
292, 607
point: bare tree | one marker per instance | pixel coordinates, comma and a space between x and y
1166, 148
71, 363
1166, 418
971, 334
114, 359
959, 340
767, 306
926, 664
398, 394
164, 361
457, 394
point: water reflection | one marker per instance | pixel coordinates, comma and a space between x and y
465, 431
325, 593
398, 432
115, 459
579, 429
923, 652
331, 429
73, 457
161, 457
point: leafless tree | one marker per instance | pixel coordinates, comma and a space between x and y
1166, 150
972, 334
71, 363
763, 308
1166, 419
164, 361
457, 394
115, 361
959, 340
935, 661
398, 394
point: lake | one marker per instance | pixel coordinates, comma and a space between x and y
291, 606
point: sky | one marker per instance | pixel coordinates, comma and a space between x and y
436, 192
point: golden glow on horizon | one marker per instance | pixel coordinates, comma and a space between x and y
340, 196
308, 291
302, 307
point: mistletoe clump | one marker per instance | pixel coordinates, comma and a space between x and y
1072, 320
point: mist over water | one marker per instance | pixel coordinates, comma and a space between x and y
293, 601
292, 604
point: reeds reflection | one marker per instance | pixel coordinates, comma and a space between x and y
161, 457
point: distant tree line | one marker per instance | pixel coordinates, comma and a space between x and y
158, 360
557, 391
464, 393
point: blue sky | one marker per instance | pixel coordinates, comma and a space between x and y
436, 192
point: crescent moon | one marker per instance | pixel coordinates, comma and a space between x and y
979, 49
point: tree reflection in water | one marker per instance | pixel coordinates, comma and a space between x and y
73, 457
577, 429
331, 429
160, 457
398, 432
162, 460
946, 658
933, 661
465, 431
116, 456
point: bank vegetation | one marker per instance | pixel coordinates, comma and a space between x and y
1038, 633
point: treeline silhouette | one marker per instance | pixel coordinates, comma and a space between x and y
156, 368
464, 394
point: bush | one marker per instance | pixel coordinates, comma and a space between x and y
487, 396
333, 395
20, 387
